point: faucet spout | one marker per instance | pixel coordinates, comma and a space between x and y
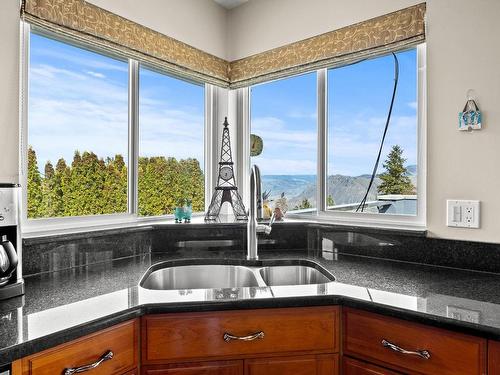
255, 214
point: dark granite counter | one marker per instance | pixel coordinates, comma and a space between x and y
67, 304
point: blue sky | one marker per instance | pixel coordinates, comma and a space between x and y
284, 115
78, 101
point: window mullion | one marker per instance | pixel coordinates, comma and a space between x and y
322, 108
133, 135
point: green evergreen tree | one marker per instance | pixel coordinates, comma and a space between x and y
395, 179
35, 195
48, 191
330, 201
61, 177
303, 205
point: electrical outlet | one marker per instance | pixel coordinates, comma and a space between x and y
461, 213
462, 314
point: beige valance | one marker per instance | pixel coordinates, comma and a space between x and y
86, 22
377, 36
89, 23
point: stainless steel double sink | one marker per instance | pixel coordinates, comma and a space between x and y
215, 274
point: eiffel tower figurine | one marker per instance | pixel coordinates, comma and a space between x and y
226, 190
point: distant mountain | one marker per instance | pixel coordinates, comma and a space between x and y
293, 185
343, 189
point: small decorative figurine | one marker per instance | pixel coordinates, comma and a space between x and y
470, 117
183, 211
281, 207
226, 190
266, 210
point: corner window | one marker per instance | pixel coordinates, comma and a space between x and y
283, 116
337, 176
80, 142
359, 98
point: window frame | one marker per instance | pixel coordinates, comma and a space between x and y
321, 214
53, 225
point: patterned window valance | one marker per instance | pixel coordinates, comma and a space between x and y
86, 22
390, 32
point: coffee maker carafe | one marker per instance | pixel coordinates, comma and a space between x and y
11, 281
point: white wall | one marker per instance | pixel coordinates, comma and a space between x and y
460, 166
199, 23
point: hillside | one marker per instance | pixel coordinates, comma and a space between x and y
343, 189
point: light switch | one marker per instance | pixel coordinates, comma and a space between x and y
461, 213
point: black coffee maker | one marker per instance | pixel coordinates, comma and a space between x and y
11, 278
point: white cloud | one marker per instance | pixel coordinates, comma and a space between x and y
70, 111
412, 105
96, 74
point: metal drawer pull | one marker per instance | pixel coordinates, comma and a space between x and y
74, 370
258, 335
419, 353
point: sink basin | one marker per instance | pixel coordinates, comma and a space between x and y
293, 275
232, 273
206, 276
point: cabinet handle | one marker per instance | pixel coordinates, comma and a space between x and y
74, 370
254, 336
425, 354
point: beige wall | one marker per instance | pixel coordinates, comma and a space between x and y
460, 166
9, 90
199, 23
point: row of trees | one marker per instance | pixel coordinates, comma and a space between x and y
94, 186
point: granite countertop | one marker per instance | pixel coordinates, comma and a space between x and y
64, 305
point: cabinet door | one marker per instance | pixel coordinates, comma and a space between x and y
325, 364
493, 358
198, 368
352, 367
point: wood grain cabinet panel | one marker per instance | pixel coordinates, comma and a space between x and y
353, 367
201, 368
450, 353
324, 364
198, 336
493, 358
121, 339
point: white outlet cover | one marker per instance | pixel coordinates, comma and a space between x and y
462, 213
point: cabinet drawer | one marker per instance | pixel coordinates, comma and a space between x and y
450, 353
321, 364
121, 339
352, 367
200, 335
200, 368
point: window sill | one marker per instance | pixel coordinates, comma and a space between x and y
56, 226
406, 224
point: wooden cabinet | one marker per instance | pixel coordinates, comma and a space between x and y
121, 340
298, 341
412, 347
202, 368
323, 364
239, 334
493, 357
353, 367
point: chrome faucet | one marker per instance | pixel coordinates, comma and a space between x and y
255, 214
